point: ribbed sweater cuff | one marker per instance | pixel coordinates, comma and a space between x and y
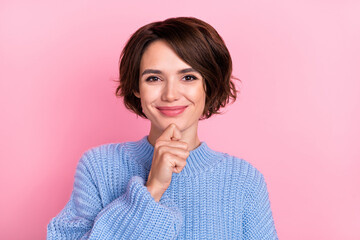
164, 208
136, 215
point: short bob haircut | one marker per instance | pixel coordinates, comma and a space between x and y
196, 43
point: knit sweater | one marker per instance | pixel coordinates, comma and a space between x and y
215, 196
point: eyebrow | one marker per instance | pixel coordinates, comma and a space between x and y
155, 71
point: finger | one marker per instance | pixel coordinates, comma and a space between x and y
174, 144
168, 152
179, 167
172, 132
177, 163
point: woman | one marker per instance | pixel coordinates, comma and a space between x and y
168, 185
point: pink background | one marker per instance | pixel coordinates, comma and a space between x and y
296, 120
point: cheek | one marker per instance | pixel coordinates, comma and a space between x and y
146, 95
202, 100
197, 95
200, 94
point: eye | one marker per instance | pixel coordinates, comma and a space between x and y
152, 79
190, 78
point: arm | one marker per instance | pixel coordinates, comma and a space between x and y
258, 222
133, 215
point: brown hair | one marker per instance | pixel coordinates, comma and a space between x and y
196, 43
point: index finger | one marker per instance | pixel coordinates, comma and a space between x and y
172, 132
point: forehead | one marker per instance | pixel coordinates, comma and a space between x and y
160, 55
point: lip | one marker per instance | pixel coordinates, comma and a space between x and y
171, 111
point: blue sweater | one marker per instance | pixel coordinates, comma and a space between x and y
216, 196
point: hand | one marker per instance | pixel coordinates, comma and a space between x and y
169, 157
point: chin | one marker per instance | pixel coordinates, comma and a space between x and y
181, 124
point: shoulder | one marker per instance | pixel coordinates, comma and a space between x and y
105, 149
123, 153
240, 165
104, 155
243, 171
102, 151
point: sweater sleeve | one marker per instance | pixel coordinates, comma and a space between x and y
133, 215
258, 221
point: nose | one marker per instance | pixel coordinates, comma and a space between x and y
170, 92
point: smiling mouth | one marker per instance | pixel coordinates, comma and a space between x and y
171, 111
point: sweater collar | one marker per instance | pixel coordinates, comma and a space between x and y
200, 159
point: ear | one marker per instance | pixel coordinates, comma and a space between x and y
137, 94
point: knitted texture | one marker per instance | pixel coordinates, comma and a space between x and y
216, 196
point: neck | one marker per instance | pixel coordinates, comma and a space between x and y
188, 135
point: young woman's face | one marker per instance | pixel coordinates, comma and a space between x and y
169, 89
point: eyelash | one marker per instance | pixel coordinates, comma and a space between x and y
152, 78
191, 76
